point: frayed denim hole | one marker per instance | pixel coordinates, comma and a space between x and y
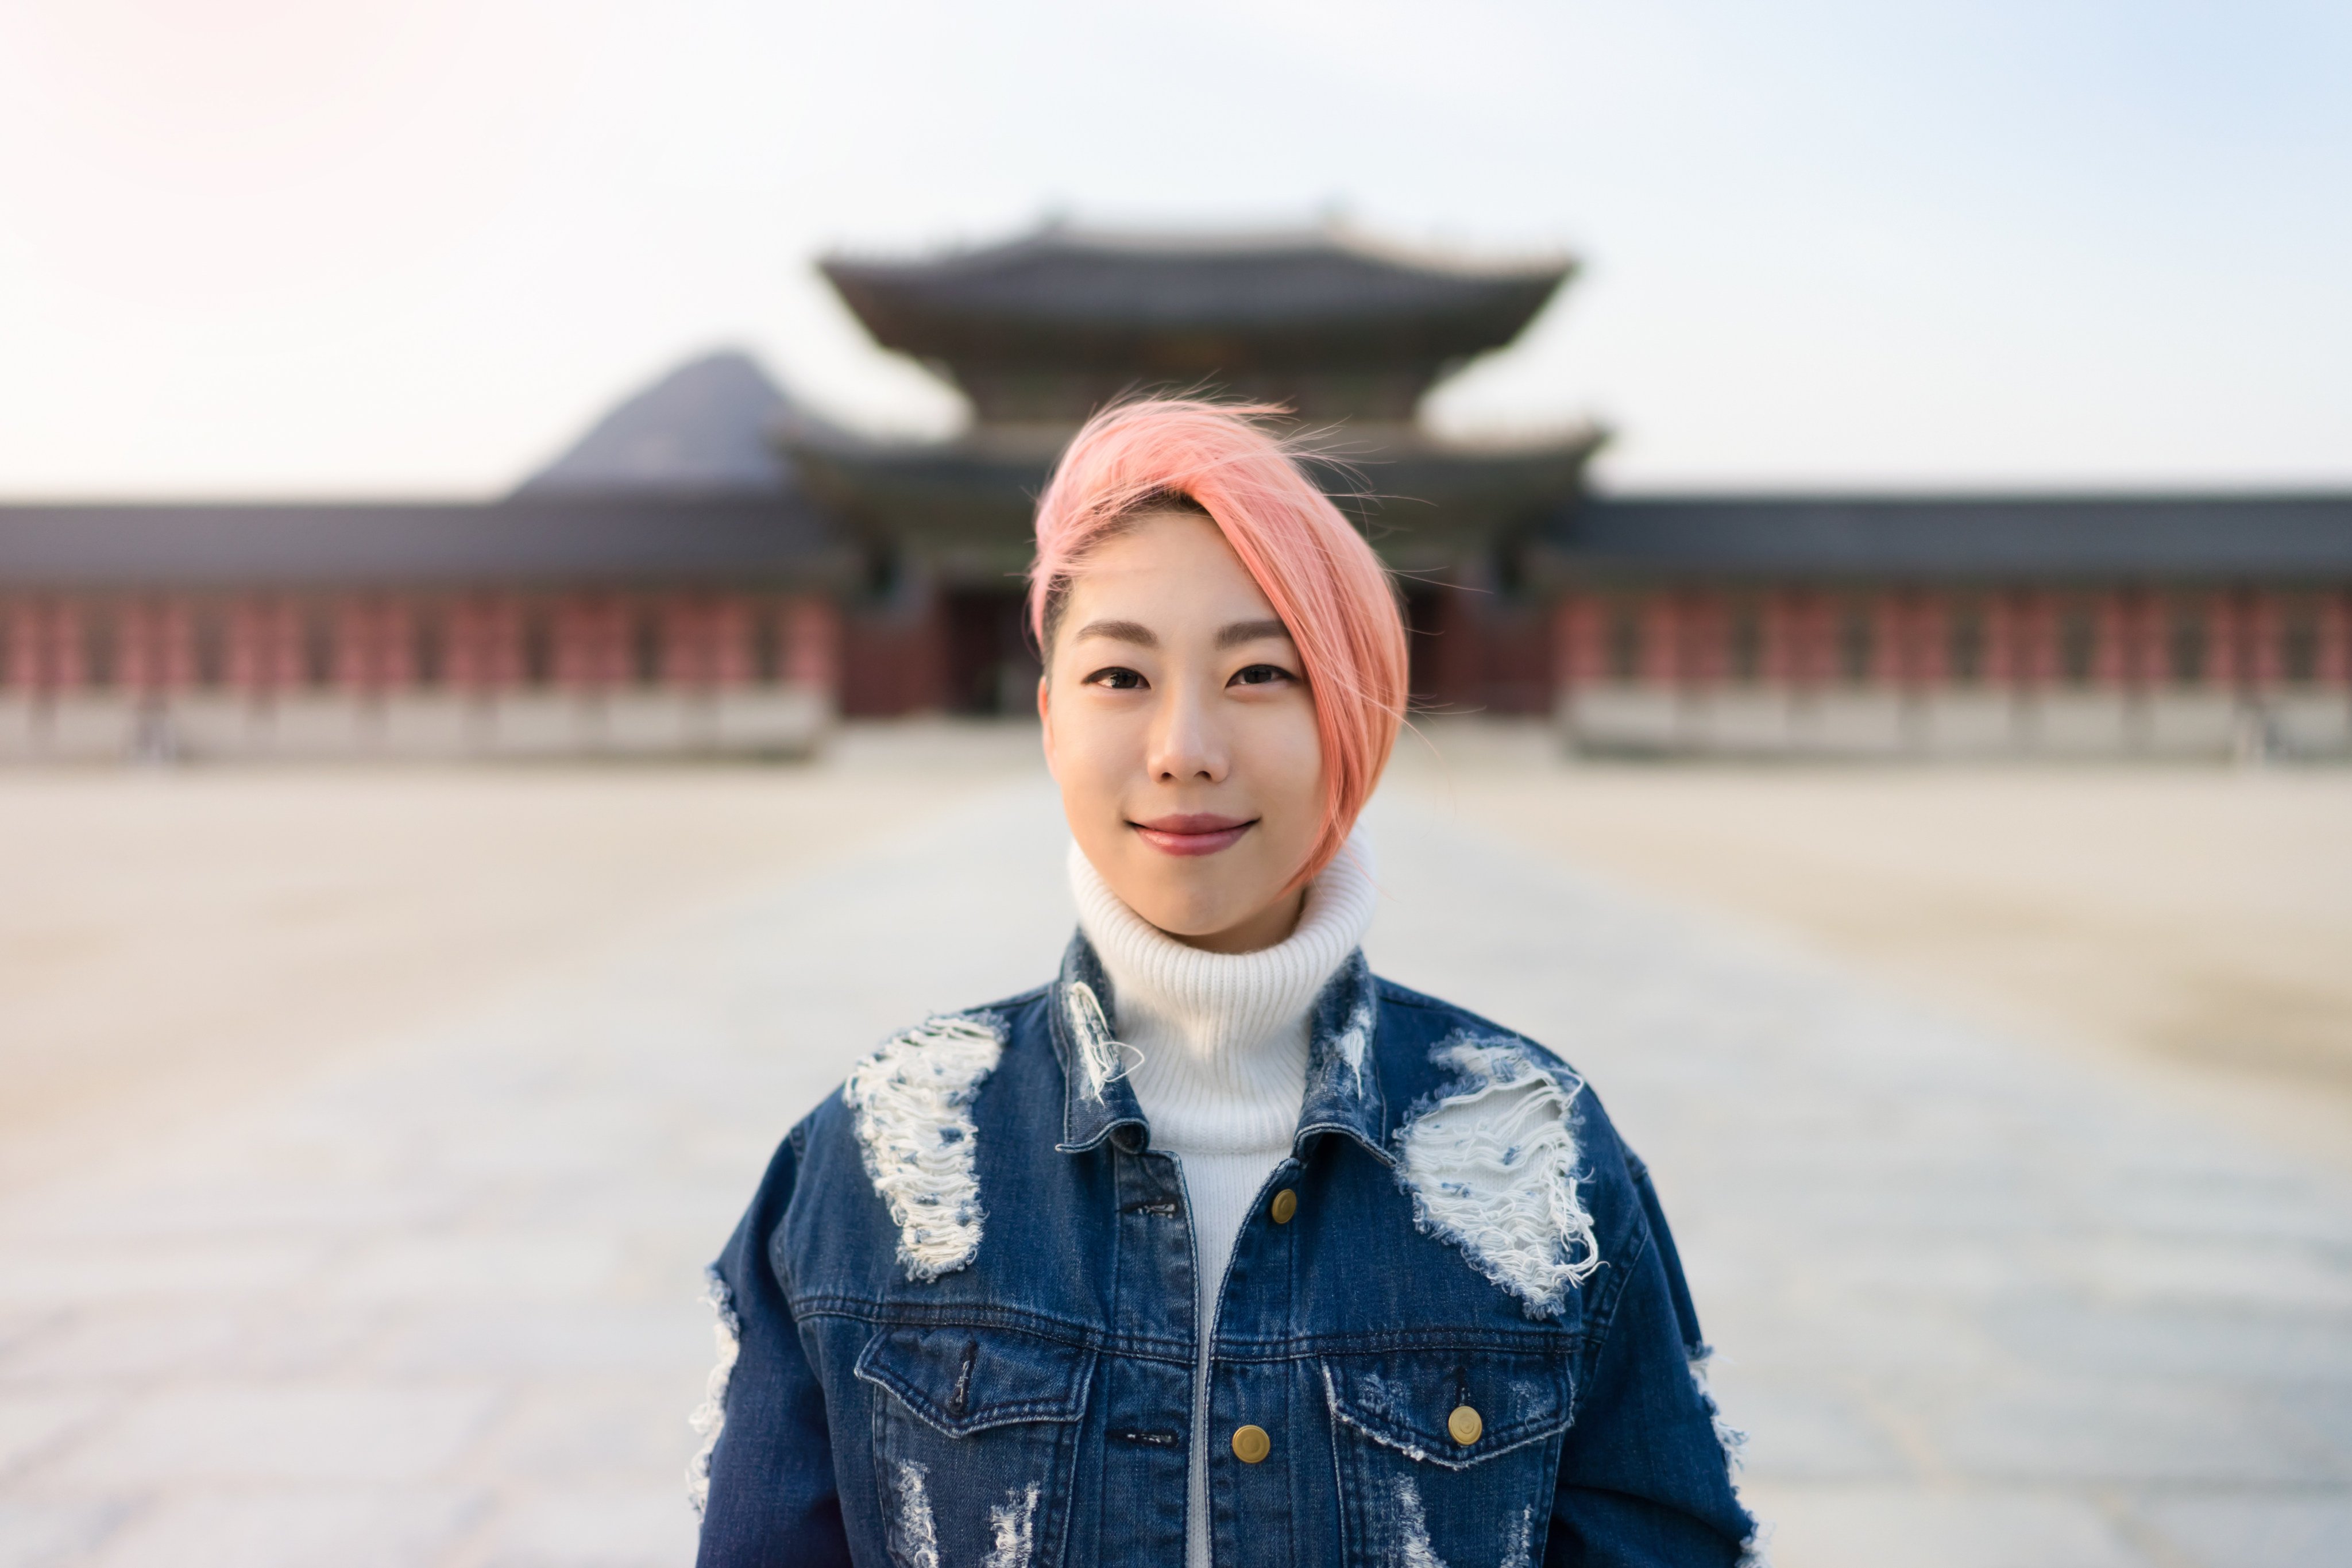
1013, 1529
913, 1099
1491, 1162
710, 1417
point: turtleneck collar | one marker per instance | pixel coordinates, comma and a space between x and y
1222, 1038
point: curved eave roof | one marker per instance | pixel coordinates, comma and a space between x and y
1064, 297
2106, 538
542, 541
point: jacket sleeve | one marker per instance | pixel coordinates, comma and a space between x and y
1645, 1474
772, 1499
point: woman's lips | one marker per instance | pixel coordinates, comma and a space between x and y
1193, 833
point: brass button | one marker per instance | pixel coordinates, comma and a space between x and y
1463, 1425
1250, 1445
1284, 1204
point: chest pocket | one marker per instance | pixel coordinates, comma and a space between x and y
1445, 1456
974, 1443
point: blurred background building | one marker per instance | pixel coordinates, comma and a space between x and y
709, 570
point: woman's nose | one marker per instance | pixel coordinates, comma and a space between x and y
1185, 746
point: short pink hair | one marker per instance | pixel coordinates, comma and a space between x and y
1314, 568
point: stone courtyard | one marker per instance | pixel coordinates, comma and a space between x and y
431, 1300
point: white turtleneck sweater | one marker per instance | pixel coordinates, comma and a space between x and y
1223, 1042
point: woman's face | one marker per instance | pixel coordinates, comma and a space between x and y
1179, 724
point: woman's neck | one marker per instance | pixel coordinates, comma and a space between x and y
1222, 1036
1271, 925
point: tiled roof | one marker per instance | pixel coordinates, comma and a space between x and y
1062, 284
529, 539
2178, 537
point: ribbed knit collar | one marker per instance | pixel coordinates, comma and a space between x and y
1223, 1037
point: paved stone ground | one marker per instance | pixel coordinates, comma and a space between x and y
436, 1306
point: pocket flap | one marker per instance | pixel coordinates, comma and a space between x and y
966, 1380
1408, 1399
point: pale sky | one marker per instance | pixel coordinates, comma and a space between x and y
257, 247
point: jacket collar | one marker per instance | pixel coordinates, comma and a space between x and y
1343, 1081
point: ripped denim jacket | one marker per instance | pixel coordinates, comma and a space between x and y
961, 1322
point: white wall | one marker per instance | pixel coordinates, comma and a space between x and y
1877, 722
778, 720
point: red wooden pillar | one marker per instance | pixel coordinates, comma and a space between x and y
20, 660
1923, 646
127, 620
2025, 643
1890, 637
2336, 638
1565, 670
1778, 656
263, 645
469, 660
575, 639
495, 627
400, 656
407, 620
1579, 641
720, 621
615, 639
729, 628
1898, 637
288, 625
40, 644
2265, 630
157, 636
689, 624
2004, 641
1660, 620
1788, 638
1662, 646
2246, 639
2217, 617
28, 645
2117, 661
813, 634
61, 662
502, 627
2199, 614
138, 654
351, 637
388, 655
175, 634
589, 638
253, 647
1696, 633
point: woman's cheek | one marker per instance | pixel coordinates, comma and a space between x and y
1301, 756
1108, 755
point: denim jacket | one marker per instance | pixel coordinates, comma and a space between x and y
962, 1317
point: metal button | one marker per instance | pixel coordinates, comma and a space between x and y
1250, 1445
1465, 1426
1284, 1204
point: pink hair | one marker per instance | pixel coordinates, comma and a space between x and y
1314, 568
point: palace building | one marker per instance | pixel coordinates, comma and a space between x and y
1039, 333
2076, 625
711, 571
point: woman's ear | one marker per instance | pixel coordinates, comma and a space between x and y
1045, 719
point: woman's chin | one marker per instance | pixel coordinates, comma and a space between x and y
1189, 922
1238, 923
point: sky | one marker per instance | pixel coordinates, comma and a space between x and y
276, 247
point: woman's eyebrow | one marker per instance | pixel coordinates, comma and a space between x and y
1135, 632
1241, 632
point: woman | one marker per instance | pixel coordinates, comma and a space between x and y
1217, 1249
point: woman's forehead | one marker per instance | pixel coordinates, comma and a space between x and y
1168, 566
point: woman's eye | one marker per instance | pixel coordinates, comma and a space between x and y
1117, 678
1258, 675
